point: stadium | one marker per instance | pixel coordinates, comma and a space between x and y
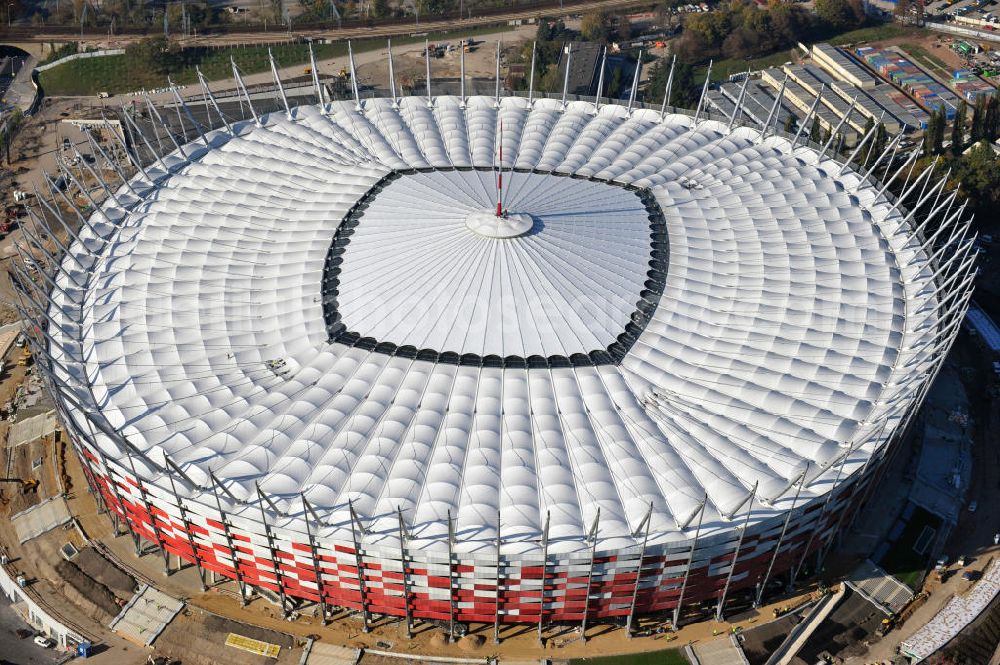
497, 359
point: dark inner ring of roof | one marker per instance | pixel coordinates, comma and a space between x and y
646, 301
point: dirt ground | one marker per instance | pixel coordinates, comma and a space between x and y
760, 643
18, 464
105, 573
198, 638
410, 67
68, 591
91, 592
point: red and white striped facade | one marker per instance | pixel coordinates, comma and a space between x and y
239, 549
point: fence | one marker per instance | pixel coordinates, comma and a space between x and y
80, 56
963, 32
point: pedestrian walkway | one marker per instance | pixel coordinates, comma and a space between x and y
22, 92
956, 615
324, 653
40, 518
29, 429
879, 587
719, 652
146, 615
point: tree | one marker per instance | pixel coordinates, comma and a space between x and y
978, 171
939, 126
814, 132
14, 9
840, 14
704, 34
978, 118
934, 134
156, 54
880, 141
435, 7
544, 32
743, 30
550, 81
315, 10
909, 12
624, 29
928, 144
615, 84
790, 124
593, 27
958, 129
991, 119
869, 125
684, 91
790, 22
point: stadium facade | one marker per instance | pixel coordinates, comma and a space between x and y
304, 352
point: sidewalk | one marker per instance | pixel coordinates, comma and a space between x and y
22, 92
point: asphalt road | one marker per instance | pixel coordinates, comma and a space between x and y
15, 651
280, 35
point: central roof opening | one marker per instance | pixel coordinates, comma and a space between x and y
424, 266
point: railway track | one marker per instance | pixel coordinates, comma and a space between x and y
221, 35
52, 610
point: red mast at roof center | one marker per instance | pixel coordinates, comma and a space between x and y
500, 176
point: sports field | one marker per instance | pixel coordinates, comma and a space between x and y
907, 558
666, 657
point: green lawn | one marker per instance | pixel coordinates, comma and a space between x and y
118, 73
901, 561
668, 657
873, 33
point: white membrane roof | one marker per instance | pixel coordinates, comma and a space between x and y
415, 273
792, 331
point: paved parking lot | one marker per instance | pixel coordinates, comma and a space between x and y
15, 651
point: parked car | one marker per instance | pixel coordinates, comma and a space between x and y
973, 506
44, 642
23, 633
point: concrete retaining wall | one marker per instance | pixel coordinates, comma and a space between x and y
39, 618
80, 56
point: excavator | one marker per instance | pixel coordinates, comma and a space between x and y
27, 484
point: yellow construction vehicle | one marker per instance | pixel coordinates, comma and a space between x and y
25, 358
27, 484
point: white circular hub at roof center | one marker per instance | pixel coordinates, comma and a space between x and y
487, 223
565, 280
